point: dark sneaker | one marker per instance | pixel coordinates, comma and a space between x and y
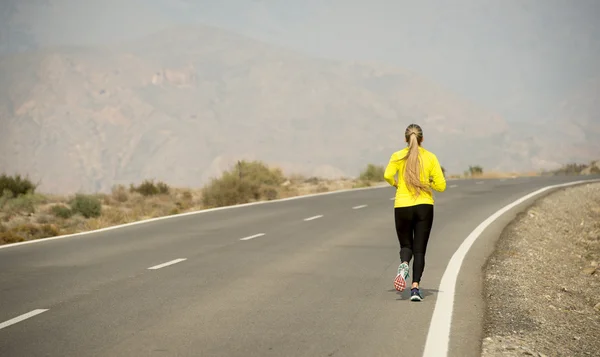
415, 295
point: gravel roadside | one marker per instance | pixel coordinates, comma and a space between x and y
542, 283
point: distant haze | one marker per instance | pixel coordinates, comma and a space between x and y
97, 93
516, 57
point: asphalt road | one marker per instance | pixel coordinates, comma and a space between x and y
313, 279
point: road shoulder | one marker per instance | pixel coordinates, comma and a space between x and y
541, 281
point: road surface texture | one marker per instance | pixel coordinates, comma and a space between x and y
305, 277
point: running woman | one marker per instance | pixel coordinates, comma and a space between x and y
419, 172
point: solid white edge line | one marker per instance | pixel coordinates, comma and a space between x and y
21, 318
252, 237
313, 217
167, 264
359, 207
438, 336
208, 210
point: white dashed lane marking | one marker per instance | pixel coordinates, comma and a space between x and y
359, 207
453, 186
167, 263
313, 217
254, 236
21, 318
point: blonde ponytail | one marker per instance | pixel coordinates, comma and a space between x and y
413, 167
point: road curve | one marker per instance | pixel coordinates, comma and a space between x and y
305, 277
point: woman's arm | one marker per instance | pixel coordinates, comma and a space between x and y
390, 172
438, 180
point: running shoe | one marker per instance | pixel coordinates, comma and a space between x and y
400, 281
415, 295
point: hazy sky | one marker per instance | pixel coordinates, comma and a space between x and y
517, 57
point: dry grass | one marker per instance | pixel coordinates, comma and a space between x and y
35, 216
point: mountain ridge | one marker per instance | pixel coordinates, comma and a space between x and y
184, 104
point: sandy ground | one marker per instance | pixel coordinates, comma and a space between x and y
542, 283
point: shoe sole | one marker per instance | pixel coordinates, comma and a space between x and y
399, 283
415, 298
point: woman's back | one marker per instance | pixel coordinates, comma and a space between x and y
431, 175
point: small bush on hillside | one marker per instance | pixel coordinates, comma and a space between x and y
9, 237
16, 185
187, 196
30, 231
119, 193
372, 173
322, 188
5, 197
246, 182
361, 184
312, 180
61, 211
87, 206
149, 188
23, 204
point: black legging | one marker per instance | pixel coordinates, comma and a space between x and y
413, 226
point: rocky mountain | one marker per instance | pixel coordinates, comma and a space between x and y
184, 104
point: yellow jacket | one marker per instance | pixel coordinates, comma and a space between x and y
431, 174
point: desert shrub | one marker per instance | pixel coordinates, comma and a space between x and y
87, 206
29, 231
372, 173
187, 195
269, 193
185, 200
149, 188
119, 193
5, 196
115, 216
296, 178
312, 180
246, 182
17, 185
61, 211
361, 184
23, 204
9, 237
322, 188
43, 219
228, 190
475, 170
163, 188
